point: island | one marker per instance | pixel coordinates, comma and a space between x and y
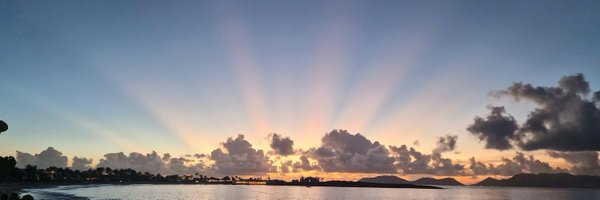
422, 181
561, 180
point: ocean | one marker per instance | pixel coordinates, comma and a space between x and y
148, 191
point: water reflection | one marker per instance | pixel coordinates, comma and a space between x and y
295, 192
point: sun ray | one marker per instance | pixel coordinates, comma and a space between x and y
374, 89
434, 101
237, 43
327, 73
76, 119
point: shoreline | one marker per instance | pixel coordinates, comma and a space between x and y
32, 188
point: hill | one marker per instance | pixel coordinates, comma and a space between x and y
433, 181
422, 181
562, 180
384, 179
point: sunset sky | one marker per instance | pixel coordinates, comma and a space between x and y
90, 78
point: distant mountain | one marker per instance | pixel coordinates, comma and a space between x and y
545, 180
398, 180
433, 181
489, 181
384, 179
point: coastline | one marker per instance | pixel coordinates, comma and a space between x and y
40, 190
35, 189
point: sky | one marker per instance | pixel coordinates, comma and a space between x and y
90, 78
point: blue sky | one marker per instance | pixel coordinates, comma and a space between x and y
91, 77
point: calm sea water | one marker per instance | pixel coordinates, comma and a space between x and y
304, 193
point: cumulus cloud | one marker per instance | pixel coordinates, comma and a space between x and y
341, 151
81, 163
584, 162
152, 163
565, 118
520, 163
497, 129
281, 145
304, 165
47, 158
411, 161
237, 157
24, 159
446, 143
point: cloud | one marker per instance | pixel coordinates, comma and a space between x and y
411, 161
497, 129
446, 143
166, 157
282, 145
47, 158
341, 151
200, 156
24, 159
304, 165
520, 163
152, 163
81, 163
237, 157
479, 168
416, 143
181, 165
564, 120
584, 162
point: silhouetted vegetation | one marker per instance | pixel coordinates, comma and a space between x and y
3, 126
8, 172
15, 196
102, 175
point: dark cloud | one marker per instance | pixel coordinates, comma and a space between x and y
341, 151
304, 165
286, 166
564, 120
520, 163
166, 157
416, 143
596, 97
200, 156
497, 129
281, 145
47, 158
239, 158
81, 163
479, 168
445, 144
584, 162
411, 161
574, 84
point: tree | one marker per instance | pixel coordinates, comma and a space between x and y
7, 165
3, 126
